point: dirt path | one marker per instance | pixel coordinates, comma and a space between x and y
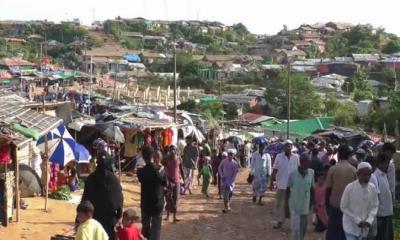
201, 218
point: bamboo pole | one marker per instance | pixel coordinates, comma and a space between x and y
46, 161
119, 161
17, 193
6, 196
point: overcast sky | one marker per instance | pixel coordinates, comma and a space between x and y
260, 16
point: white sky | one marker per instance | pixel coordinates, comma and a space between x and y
260, 16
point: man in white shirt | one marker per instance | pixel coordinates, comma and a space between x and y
261, 170
359, 204
247, 153
285, 163
321, 150
389, 149
385, 210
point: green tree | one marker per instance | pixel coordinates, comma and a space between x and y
189, 105
378, 117
344, 113
304, 100
388, 77
231, 111
392, 47
241, 29
312, 51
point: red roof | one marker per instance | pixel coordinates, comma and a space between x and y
5, 75
15, 62
249, 117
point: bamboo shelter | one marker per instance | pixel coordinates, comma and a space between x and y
28, 125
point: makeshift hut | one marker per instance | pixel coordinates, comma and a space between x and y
24, 125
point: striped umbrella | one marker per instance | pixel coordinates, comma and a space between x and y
62, 147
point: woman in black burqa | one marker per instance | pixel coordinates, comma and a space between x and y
104, 191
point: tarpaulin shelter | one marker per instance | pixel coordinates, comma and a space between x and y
300, 128
130, 57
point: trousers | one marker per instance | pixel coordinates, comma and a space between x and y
151, 226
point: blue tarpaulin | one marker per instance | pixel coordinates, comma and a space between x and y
132, 57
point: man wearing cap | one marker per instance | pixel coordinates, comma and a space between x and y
260, 169
337, 179
385, 210
359, 204
228, 170
285, 163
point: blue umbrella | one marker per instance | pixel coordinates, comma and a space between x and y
62, 148
260, 140
82, 155
274, 148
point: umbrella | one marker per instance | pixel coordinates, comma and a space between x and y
81, 153
111, 130
260, 140
30, 178
274, 148
61, 146
235, 139
366, 142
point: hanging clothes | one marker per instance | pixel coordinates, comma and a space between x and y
147, 137
5, 157
167, 135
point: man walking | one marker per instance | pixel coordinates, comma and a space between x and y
359, 204
151, 195
385, 210
300, 186
337, 179
228, 170
285, 163
261, 170
389, 149
189, 158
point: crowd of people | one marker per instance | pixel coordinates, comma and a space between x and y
349, 193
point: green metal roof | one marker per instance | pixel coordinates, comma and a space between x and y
303, 128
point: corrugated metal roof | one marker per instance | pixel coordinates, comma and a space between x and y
14, 112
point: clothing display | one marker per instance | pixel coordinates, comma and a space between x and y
167, 135
5, 157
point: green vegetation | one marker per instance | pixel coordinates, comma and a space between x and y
62, 52
362, 39
214, 40
376, 118
359, 39
344, 113
304, 100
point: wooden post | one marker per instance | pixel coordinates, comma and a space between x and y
17, 193
6, 196
46, 161
119, 161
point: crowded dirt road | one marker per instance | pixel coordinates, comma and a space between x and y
201, 218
